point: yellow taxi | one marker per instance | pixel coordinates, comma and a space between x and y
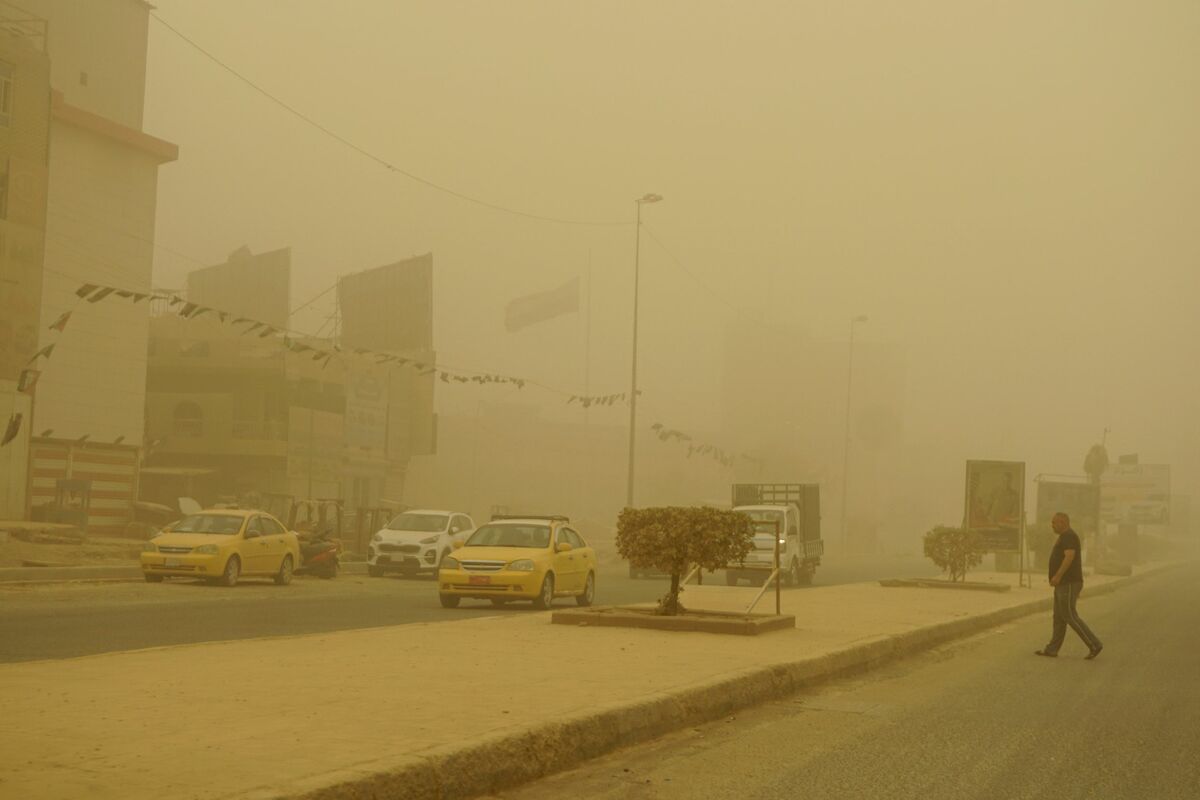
221, 545
520, 558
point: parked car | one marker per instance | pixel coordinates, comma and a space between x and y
222, 546
520, 558
416, 541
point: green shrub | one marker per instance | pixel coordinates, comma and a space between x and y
673, 539
954, 550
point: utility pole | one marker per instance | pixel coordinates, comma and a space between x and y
846, 442
633, 390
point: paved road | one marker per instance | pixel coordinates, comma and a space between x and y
60, 621
982, 718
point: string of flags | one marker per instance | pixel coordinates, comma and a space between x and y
695, 448
599, 400
297, 343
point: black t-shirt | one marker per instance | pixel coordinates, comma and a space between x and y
1067, 540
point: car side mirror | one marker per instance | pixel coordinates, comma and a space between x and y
563, 547
455, 530
457, 543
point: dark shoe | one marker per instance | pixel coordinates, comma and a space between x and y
1044, 653
1093, 653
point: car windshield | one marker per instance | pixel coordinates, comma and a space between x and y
511, 536
425, 523
224, 524
764, 528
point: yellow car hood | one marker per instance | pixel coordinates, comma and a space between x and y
505, 554
194, 539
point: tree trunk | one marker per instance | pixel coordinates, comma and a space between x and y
671, 606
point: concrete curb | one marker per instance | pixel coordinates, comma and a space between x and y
505, 760
116, 572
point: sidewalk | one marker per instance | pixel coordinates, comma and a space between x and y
434, 709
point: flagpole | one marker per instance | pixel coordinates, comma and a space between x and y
587, 343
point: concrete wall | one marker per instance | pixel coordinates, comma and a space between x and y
98, 50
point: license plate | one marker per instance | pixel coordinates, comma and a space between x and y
481, 579
171, 562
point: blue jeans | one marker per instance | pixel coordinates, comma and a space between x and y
1065, 595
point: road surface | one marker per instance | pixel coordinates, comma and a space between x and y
981, 718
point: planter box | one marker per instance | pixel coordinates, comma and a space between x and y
696, 621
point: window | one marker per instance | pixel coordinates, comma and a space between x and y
255, 526
575, 539
270, 527
188, 420
6, 93
462, 523
563, 537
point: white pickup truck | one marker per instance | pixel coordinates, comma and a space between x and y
789, 511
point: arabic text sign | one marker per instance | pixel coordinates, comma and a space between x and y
1136, 494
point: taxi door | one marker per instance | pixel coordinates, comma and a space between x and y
277, 543
566, 565
256, 549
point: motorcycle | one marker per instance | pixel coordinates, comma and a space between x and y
319, 553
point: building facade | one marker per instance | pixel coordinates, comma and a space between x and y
24, 157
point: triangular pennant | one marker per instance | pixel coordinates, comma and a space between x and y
139, 296
44, 352
14, 426
187, 309
86, 289
222, 315
104, 292
255, 326
61, 322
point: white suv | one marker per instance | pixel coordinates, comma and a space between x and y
416, 541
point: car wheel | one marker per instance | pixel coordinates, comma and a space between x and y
153, 578
374, 572
545, 597
806, 576
232, 571
589, 591
449, 600
329, 572
284, 576
731, 578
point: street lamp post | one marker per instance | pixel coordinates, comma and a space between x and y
633, 390
846, 443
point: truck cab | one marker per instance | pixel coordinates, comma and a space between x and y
789, 511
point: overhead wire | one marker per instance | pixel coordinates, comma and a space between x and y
362, 151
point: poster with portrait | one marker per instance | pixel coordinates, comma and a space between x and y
995, 503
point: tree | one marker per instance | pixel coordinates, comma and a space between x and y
672, 539
954, 550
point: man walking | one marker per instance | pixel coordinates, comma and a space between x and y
1066, 576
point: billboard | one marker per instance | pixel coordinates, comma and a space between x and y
995, 503
390, 307
247, 285
1136, 494
1077, 499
